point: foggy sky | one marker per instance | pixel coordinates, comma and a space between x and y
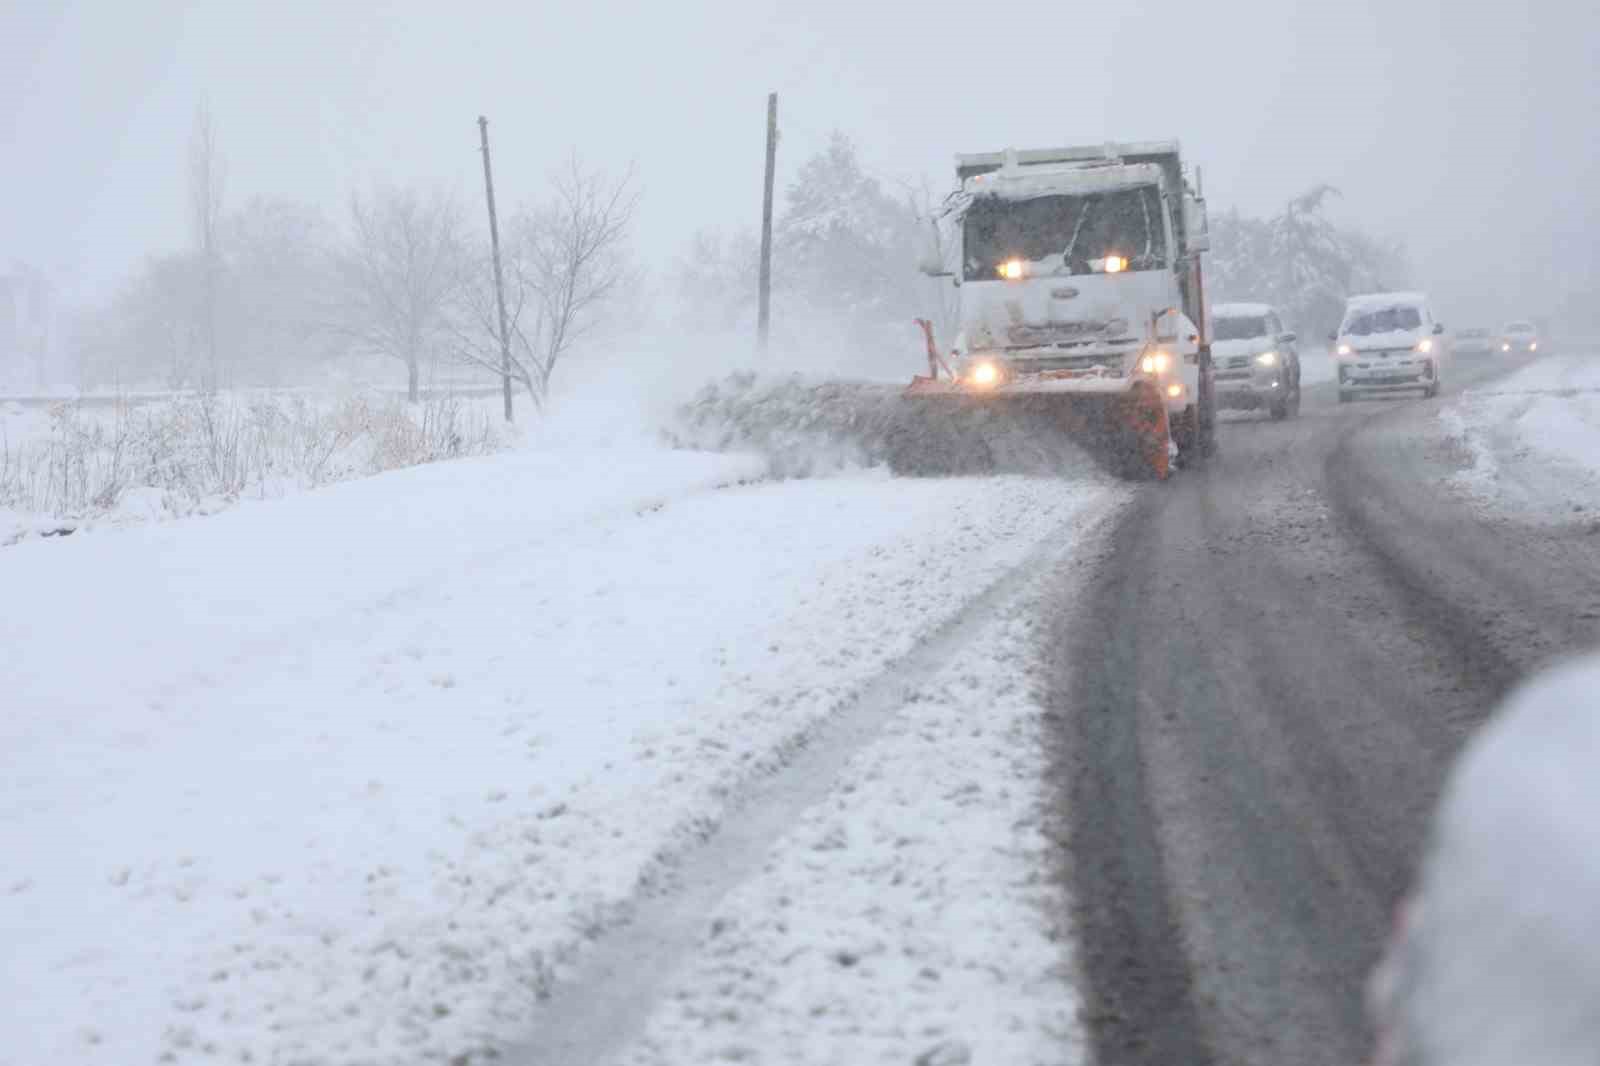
1471, 136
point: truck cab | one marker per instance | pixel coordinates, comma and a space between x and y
1083, 266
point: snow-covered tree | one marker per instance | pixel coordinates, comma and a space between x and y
845, 247
278, 278
401, 274
152, 332
1300, 261
844, 258
715, 280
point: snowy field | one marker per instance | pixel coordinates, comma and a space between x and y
74, 466
362, 774
1532, 440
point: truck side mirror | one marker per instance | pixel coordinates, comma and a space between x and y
1288, 338
933, 267
1194, 224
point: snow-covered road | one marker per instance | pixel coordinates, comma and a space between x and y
362, 775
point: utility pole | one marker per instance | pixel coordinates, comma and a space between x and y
764, 316
499, 277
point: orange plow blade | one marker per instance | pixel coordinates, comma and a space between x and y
956, 430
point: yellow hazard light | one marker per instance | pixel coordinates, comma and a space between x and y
985, 374
1114, 264
1011, 269
1174, 390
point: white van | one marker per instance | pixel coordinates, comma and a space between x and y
1388, 342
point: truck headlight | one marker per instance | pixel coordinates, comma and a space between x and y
1267, 358
984, 374
1156, 363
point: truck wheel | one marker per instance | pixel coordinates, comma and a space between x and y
1194, 436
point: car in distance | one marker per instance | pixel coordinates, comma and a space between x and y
1519, 337
1255, 365
1388, 342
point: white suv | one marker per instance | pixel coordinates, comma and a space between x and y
1388, 342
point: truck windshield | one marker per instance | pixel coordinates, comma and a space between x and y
1240, 329
1064, 234
1387, 320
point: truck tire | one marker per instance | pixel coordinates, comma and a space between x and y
1195, 437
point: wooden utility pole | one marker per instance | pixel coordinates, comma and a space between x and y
499, 277
764, 316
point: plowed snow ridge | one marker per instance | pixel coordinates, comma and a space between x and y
359, 775
946, 685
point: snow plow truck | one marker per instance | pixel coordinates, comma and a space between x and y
1079, 306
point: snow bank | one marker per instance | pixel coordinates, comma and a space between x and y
908, 917
353, 776
1531, 440
1500, 962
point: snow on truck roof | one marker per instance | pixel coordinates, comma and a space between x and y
1243, 310
1081, 154
1019, 183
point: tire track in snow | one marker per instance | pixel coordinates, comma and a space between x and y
593, 1016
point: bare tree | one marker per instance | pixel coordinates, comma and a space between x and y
276, 285
205, 208
564, 262
402, 273
711, 279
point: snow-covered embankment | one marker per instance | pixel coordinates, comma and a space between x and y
356, 775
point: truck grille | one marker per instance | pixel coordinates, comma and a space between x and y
1036, 364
